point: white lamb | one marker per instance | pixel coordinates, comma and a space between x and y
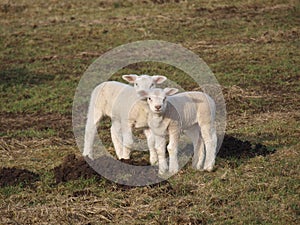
192, 112
121, 103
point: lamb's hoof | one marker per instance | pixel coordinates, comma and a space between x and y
162, 171
90, 157
166, 175
173, 170
209, 169
127, 161
197, 167
125, 158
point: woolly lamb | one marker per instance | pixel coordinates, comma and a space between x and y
121, 103
192, 112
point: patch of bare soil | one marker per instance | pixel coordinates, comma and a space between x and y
73, 168
14, 176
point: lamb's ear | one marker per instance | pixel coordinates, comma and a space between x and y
170, 91
130, 78
142, 94
158, 79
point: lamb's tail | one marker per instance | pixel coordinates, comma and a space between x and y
95, 114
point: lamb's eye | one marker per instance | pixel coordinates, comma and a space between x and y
152, 85
149, 99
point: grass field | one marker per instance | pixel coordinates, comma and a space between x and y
252, 46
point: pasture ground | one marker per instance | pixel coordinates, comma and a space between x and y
251, 46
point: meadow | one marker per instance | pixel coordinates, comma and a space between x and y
252, 47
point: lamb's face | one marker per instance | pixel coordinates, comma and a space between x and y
157, 100
144, 82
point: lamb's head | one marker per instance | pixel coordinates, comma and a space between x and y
156, 98
144, 82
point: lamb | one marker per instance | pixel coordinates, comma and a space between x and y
192, 112
121, 103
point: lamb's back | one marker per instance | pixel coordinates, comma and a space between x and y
111, 96
188, 105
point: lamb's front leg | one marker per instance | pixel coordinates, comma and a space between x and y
173, 151
116, 138
151, 146
127, 140
160, 146
93, 116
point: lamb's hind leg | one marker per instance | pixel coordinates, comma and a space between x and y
209, 136
198, 158
90, 132
94, 115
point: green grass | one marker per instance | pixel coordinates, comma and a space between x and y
29, 133
251, 46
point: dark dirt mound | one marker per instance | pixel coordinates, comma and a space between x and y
128, 172
136, 162
73, 168
14, 176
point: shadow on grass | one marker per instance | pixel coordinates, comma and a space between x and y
234, 152
22, 76
234, 148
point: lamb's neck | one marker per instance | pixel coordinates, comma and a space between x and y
157, 116
155, 119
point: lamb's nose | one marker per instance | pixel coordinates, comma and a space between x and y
158, 107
